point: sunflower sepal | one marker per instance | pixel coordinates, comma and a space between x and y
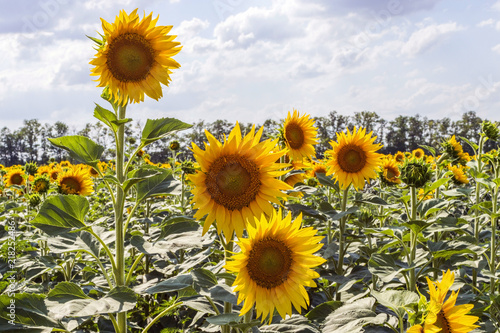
96, 40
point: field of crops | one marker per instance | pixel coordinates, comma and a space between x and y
253, 234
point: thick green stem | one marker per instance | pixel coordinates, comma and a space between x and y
413, 239
342, 226
120, 201
493, 244
228, 307
477, 221
182, 191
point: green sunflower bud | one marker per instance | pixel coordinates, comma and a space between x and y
31, 168
416, 172
35, 200
175, 145
365, 216
41, 184
490, 130
312, 182
188, 167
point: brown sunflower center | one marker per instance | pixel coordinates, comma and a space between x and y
351, 158
418, 154
233, 181
442, 322
54, 175
294, 135
70, 185
130, 57
269, 262
391, 173
16, 179
320, 169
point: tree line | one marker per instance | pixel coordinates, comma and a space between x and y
405, 133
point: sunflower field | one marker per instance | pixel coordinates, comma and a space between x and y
255, 234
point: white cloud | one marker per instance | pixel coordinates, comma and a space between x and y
485, 23
425, 38
498, 25
496, 48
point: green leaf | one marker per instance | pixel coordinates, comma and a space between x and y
436, 184
138, 175
417, 226
220, 292
352, 317
371, 199
30, 309
161, 184
472, 144
396, 300
327, 181
430, 149
170, 243
61, 213
320, 312
224, 319
80, 148
157, 129
66, 301
74, 242
203, 278
106, 116
306, 210
384, 266
172, 284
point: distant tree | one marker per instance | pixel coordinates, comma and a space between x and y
397, 135
30, 136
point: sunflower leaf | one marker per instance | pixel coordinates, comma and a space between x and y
161, 184
156, 129
80, 148
61, 213
396, 300
106, 116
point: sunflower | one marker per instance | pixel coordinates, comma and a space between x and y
44, 170
54, 173
459, 176
400, 157
443, 315
237, 180
75, 180
390, 172
41, 184
134, 57
317, 167
300, 136
354, 158
15, 176
275, 264
418, 153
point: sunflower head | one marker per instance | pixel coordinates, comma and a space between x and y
15, 176
34, 199
415, 172
299, 135
275, 264
134, 57
237, 180
41, 184
75, 180
459, 176
389, 175
174, 145
354, 158
490, 130
31, 168
418, 153
399, 157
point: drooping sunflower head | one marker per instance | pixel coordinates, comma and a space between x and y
418, 153
15, 176
75, 180
237, 180
354, 158
415, 172
299, 135
134, 57
275, 264
31, 168
390, 172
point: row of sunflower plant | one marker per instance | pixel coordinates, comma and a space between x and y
356, 242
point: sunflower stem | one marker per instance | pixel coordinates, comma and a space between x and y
477, 221
228, 307
413, 239
493, 235
340, 264
119, 204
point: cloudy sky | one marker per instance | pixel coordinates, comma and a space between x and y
250, 60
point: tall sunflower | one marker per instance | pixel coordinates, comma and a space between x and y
354, 158
237, 180
75, 180
275, 264
134, 57
300, 136
15, 176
